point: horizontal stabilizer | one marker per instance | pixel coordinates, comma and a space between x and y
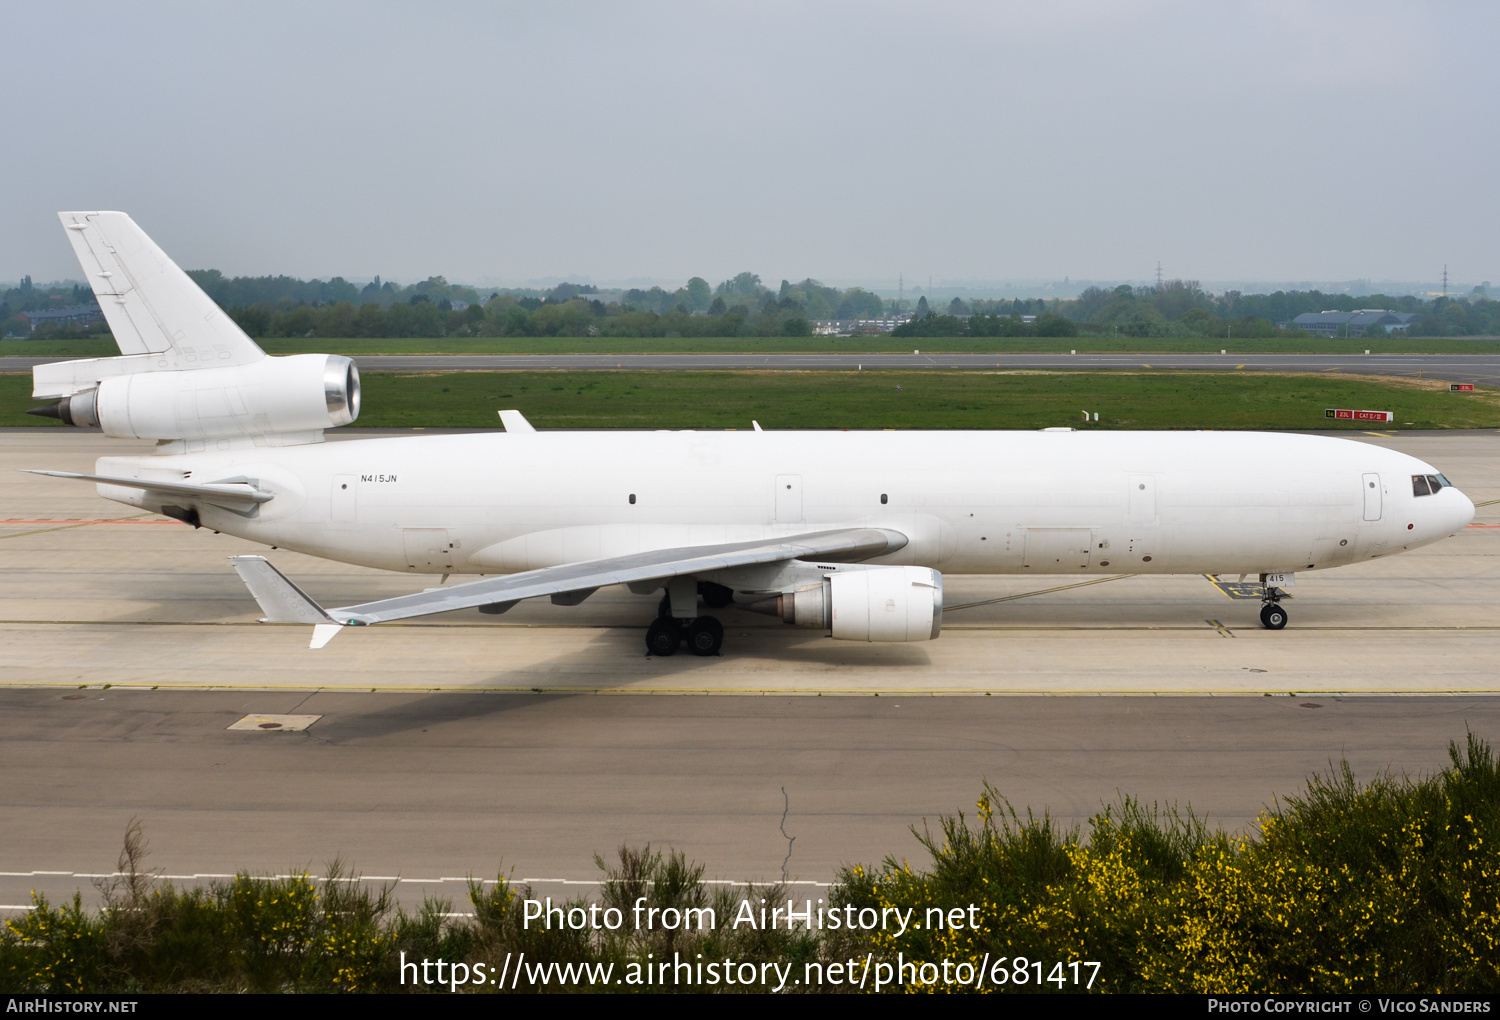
226, 493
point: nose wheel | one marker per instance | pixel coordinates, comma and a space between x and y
1272, 616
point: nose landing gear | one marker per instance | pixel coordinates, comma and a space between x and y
1272, 615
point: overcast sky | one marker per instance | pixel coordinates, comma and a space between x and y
848, 141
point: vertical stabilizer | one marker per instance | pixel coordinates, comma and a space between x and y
152, 306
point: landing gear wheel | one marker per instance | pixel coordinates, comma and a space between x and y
705, 636
1272, 616
663, 637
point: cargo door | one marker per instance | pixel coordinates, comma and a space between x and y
428, 550
1057, 550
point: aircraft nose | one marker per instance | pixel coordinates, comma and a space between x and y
1463, 513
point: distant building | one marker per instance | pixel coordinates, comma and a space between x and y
853, 327
1353, 323
71, 315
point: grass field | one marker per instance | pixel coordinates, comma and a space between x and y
104, 347
905, 399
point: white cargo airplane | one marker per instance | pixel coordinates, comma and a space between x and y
844, 532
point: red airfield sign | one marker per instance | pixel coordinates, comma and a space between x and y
1346, 415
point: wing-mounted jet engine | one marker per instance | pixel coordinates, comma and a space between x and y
866, 604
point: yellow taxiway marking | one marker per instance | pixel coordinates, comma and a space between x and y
1382, 435
1239, 366
1223, 630
1242, 590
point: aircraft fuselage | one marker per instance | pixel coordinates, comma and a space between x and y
969, 502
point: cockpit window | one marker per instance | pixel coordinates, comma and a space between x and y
1419, 486
1443, 482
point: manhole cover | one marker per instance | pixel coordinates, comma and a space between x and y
1310, 704
277, 723
74, 697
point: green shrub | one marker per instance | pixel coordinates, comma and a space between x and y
1393, 886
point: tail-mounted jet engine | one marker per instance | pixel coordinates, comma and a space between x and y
301, 393
871, 604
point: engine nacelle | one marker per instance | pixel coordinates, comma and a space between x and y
873, 604
301, 393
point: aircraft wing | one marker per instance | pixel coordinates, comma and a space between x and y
223, 493
657, 564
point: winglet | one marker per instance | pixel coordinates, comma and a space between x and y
515, 421
281, 600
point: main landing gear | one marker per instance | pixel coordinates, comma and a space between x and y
703, 636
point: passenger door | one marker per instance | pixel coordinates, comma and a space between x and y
345, 498
1374, 504
788, 499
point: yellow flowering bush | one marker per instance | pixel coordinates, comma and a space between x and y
1391, 886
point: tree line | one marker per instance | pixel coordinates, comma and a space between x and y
1183, 308
740, 306
743, 306
283, 306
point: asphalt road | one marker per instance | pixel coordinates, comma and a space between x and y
1483, 369
431, 788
